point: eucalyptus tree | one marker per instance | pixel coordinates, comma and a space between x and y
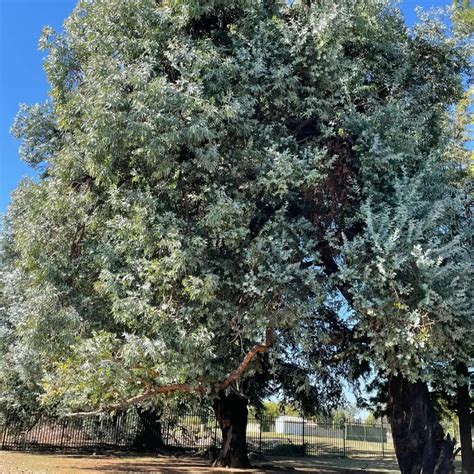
398, 250
160, 228
463, 19
213, 174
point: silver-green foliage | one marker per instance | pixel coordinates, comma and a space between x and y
177, 201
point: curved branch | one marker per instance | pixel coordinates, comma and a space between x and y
237, 373
184, 387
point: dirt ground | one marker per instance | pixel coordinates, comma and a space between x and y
37, 463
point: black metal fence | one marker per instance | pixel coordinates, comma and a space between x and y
138, 431
298, 436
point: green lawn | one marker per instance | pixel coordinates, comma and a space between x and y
319, 444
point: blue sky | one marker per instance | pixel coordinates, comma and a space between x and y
22, 79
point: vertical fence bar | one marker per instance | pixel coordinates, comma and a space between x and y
81, 436
302, 432
78, 431
4, 434
382, 437
42, 432
74, 431
17, 437
61, 444
21, 434
167, 431
53, 441
344, 436
14, 437
260, 435
50, 433
85, 429
51, 427
132, 427
113, 431
215, 430
36, 432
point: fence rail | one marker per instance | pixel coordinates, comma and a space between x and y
135, 431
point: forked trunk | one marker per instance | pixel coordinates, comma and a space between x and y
231, 413
463, 408
419, 440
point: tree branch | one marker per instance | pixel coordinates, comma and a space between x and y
184, 387
331, 268
237, 373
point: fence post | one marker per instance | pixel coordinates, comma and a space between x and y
260, 435
304, 448
344, 436
382, 439
215, 431
62, 434
4, 434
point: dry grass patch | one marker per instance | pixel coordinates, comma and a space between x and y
38, 463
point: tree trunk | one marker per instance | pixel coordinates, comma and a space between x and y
231, 413
463, 408
419, 440
149, 436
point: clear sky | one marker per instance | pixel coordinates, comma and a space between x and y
22, 79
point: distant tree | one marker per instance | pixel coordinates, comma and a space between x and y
371, 419
342, 416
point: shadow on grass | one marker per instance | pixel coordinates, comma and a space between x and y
167, 463
175, 466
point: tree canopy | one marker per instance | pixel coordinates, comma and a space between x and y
220, 179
